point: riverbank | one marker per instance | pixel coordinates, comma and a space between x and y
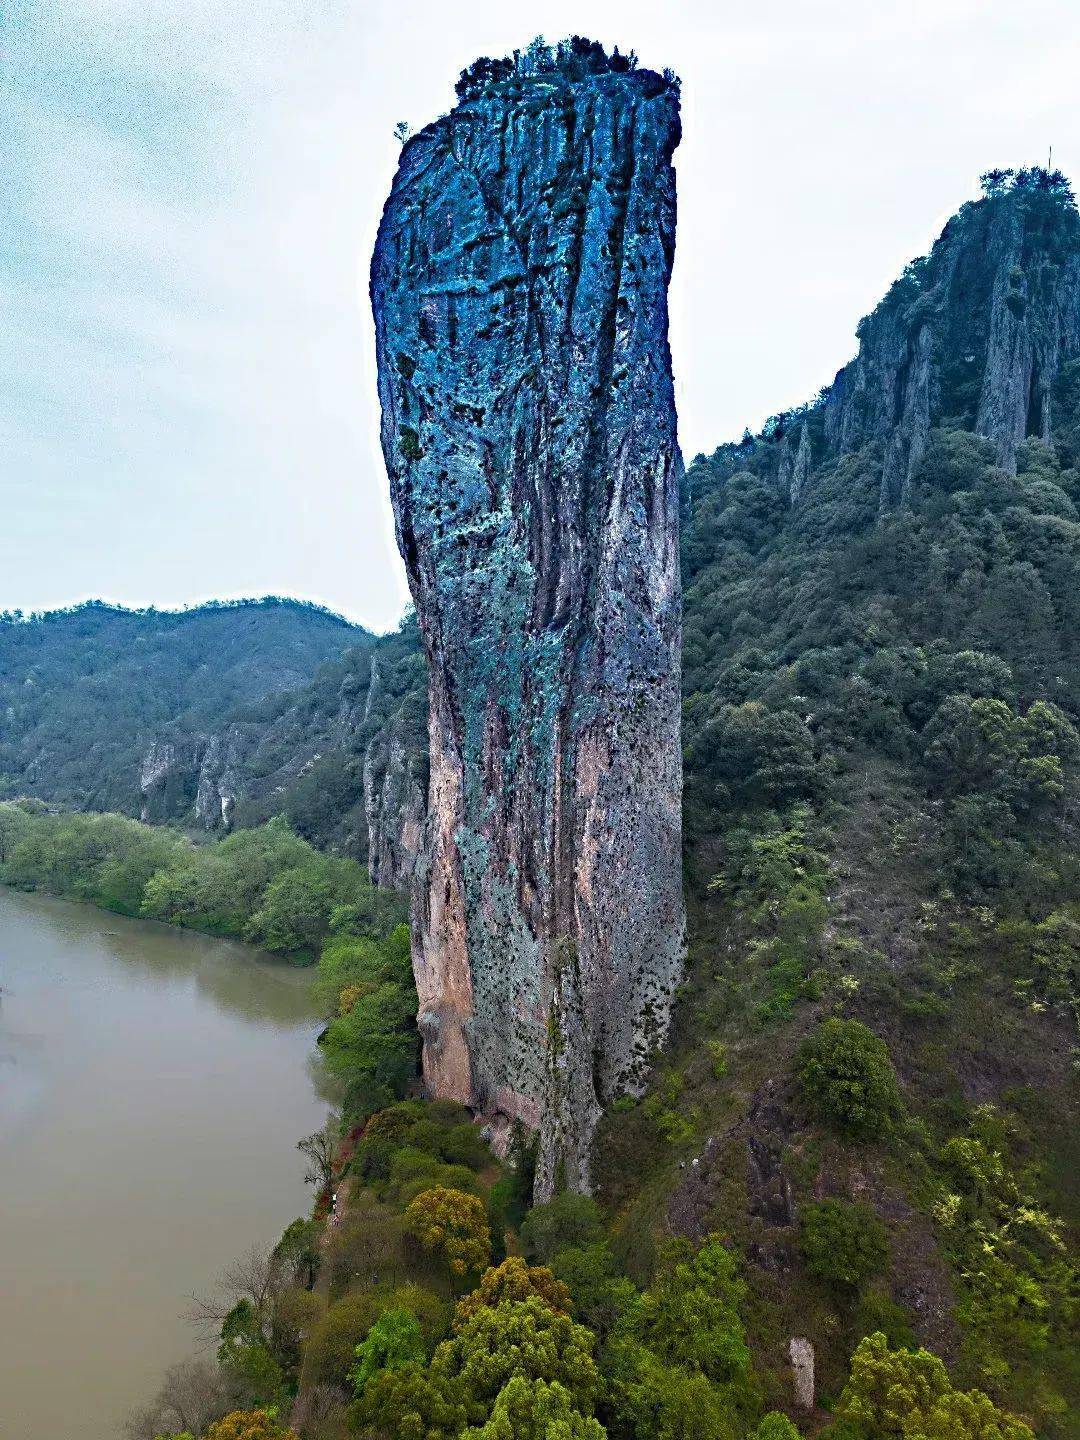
266, 886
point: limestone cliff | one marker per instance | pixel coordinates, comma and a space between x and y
981, 334
519, 286
978, 332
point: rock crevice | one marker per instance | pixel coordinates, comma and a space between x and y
977, 333
519, 286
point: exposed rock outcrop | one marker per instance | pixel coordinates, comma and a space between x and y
158, 764
977, 332
168, 777
519, 285
394, 804
184, 775
981, 334
219, 778
800, 470
345, 761
801, 1352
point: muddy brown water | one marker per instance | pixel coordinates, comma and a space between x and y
153, 1084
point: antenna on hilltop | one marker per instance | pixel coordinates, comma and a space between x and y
1049, 158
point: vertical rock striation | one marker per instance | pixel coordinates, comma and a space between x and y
981, 334
977, 332
519, 286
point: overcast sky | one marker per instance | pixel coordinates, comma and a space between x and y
189, 191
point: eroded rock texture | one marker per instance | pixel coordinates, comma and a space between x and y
519, 286
344, 760
979, 332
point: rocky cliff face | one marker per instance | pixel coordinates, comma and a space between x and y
519, 286
394, 806
978, 332
343, 758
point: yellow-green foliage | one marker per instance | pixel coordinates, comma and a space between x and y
1018, 1281
266, 885
249, 1425
371, 1043
535, 1410
518, 1338
908, 1394
513, 1280
453, 1224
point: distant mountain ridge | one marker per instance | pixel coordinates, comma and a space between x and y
220, 715
85, 693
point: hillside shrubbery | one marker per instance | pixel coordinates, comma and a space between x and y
939, 636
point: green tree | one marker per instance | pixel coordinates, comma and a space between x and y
651, 1400
330, 1351
372, 1047
601, 1296
535, 1410
690, 1317
847, 1078
393, 1341
517, 1338
775, 1426
15, 820
409, 1403
453, 1224
513, 1280
245, 1355
841, 1243
907, 1394
568, 1219
297, 1252
294, 914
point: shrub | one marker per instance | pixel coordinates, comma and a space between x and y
568, 1219
718, 1058
847, 1078
650, 1400
842, 1244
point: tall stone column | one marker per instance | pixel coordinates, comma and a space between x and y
519, 287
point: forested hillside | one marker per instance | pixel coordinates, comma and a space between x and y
219, 717
874, 1087
863, 1137
86, 693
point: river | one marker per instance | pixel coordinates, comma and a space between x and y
153, 1084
